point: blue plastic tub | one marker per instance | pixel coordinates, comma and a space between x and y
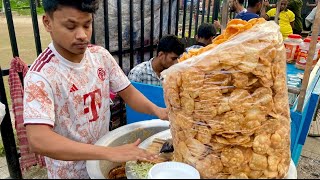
154, 94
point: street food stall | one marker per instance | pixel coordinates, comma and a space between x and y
229, 109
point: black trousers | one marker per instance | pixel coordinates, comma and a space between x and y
297, 31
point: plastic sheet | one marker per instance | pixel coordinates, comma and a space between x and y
228, 104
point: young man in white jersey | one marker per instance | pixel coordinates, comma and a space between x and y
66, 100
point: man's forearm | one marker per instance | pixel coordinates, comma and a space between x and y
138, 101
263, 12
60, 148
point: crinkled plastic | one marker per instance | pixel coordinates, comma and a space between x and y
228, 107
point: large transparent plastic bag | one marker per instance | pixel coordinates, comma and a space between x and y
228, 107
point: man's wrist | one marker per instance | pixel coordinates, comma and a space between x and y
154, 110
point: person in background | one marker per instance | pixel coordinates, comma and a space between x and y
254, 9
286, 18
235, 6
310, 18
66, 96
168, 52
296, 7
206, 33
312, 5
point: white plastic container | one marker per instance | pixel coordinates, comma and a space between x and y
317, 54
303, 54
318, 45
292, 44
173, 170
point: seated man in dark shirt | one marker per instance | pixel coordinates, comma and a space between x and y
254, 8
206, 33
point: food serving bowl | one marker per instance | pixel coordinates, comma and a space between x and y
126, 134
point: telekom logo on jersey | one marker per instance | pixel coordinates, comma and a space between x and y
92, 97
90, 100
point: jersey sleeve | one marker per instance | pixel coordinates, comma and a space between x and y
291, 16
270, 13
118, 80
38, 101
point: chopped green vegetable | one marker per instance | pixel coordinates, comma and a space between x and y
140, 170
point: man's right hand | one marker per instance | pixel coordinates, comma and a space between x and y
130, 152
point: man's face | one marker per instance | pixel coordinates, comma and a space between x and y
232, 5
168, 59
70, 29
284, 4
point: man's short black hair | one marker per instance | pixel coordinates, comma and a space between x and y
241, 2
90, 6
169, 44
253, 3
206, 31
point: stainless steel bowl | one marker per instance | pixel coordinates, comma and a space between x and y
165, 135
123, 135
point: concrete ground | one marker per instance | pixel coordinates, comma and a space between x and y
309, 163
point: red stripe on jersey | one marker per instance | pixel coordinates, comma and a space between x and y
39, 59
45, 62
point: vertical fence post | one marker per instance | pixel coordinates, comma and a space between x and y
35, 24
161, 19
197, 17
106, 24
177, 18
190, 20
119, 32
169, 16
6, 126
8, 137
11, 30
184, 18
142, 31
208, 13
152, 28
131, 34
203, 10
215, 12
